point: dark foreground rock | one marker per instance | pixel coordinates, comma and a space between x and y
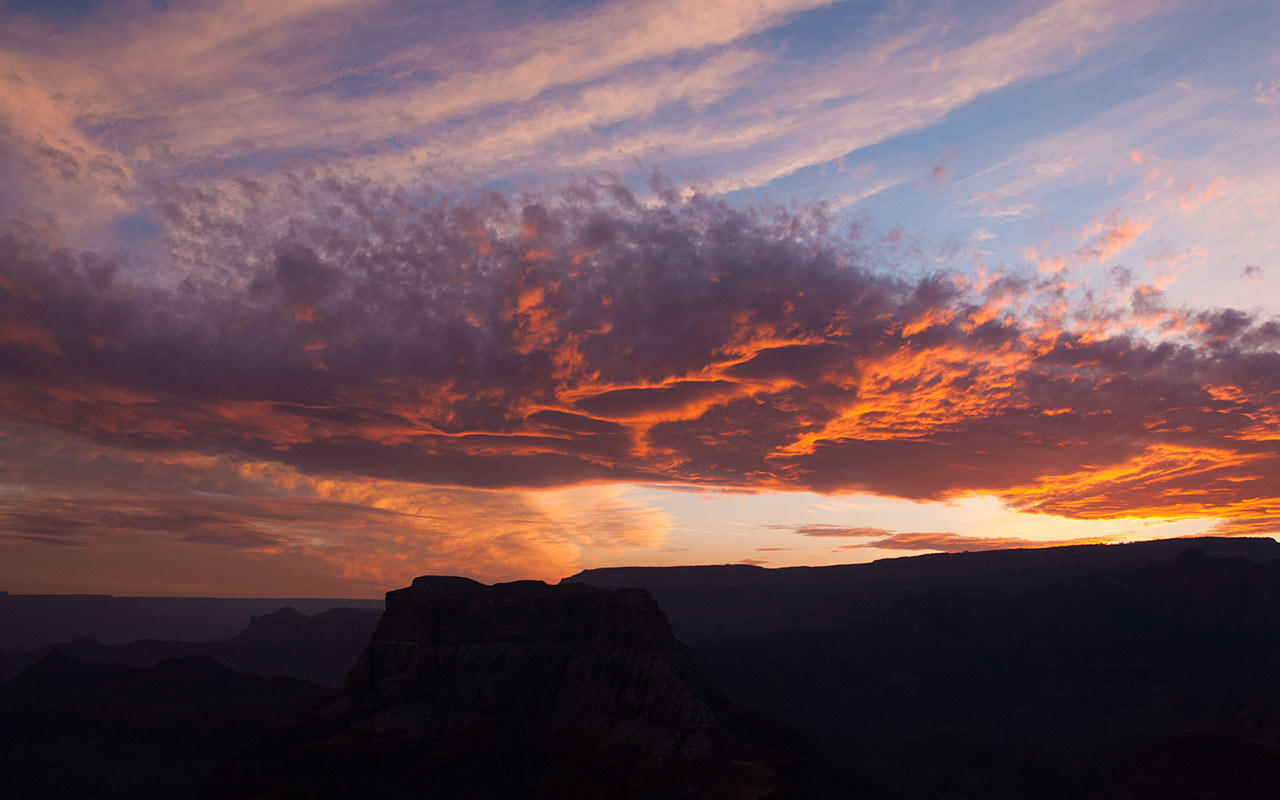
74, 730
524, 690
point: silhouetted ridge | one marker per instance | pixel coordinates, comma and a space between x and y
287, 643
29, 621
715, 601
523, 690
426, 585
447, 611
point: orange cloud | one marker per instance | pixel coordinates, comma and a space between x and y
948, 542
192, 521
1108, 237
1165, 481
14, 333
1194, 197
697, 344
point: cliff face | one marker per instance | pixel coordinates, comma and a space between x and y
522, 690
551, 660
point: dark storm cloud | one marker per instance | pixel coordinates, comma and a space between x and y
343, 327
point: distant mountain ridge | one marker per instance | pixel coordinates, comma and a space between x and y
284, 643
1155, 678
715, 601
36, 620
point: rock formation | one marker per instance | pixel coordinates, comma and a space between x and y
524, 690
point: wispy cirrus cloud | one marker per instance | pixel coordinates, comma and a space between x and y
944, 541
129, 89
832, 530
1186, 161
100, 107
948, 542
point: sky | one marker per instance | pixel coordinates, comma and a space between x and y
310, 297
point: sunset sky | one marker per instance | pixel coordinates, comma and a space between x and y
309, 297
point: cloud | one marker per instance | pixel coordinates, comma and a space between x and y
1108, 237
944, 541
920, 75
1194, 196
321, 366
886, 539
356, 331
1142, 154
140, 91
132, 514
98, 108
1268, 96
831, 530
948, 542
1103, 238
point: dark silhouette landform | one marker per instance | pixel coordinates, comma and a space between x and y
1139, 670
526, 690
715, 601
1155, 678
35, 620
285, 643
